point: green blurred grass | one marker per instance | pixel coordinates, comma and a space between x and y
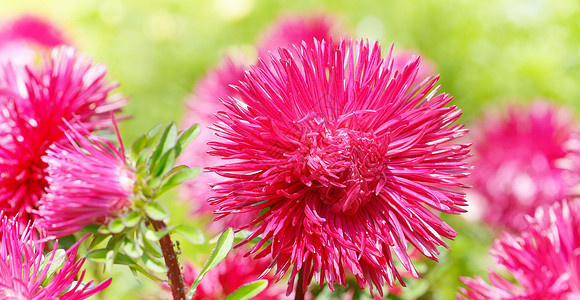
488, 53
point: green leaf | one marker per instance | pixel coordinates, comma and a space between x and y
131, 219
91, 228
100, 255
56, 263
222, 248
248, 290
178, 178
139, 145
132, 249
156, 211
191, 234
186, 137
152, 248
97, 239
165, 164
153, 132
116, 226
167, 141
153, 265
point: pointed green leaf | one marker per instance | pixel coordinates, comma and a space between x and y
97, 239
154, 131
99, 256
165, 164
178, 178
248, 290
222, 248
156, 211
186, 137
191, 234
91, 228
138, 145
167, 141
153, 265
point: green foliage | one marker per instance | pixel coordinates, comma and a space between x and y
222, 247
248, 290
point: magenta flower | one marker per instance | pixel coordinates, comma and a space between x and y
543, 259
88, 183
23, 37
523, 160
219, 282
293, 30
33, 108
343, 161
25, 273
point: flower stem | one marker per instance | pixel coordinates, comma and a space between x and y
300, 292
171, 261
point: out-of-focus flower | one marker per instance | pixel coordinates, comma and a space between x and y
290, 31
88, 183
217, 84
344, 162
544, 259
201, 108
33, 109
25, 273
22, 38
235, 271
523, 160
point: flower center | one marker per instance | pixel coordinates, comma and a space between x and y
347, 167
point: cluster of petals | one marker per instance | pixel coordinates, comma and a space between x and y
543, 259
33, 107
343, 160
26, 273
524, 159
89, 182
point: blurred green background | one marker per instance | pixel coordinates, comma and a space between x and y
488, 53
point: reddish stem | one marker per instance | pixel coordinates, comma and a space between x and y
300, 292
172, 263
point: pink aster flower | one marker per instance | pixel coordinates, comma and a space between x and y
345, 163
543, 259
22, 38
25, 273
33, 109
525, 159
88, 183
293, 30
234, 271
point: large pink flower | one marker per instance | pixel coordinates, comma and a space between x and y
33, 108
527, 158
88, 183
544, 259
25, 273
344, 162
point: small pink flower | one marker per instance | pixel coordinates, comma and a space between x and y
234, 271
88, 183
544, 259
343, 161
525, 159
24, 271
33, 109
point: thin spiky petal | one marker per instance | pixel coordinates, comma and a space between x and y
24, 270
